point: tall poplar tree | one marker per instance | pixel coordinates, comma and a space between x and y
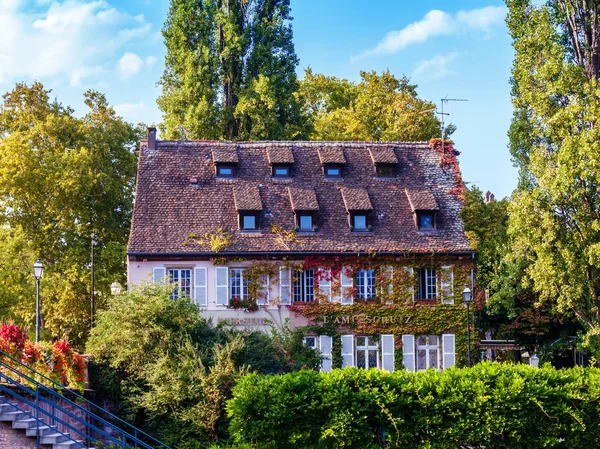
230, 71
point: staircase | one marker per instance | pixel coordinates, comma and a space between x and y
58, 418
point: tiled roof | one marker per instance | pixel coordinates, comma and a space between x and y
303, 199
169, 208
383, 155
225, 155
331, 155
280, 155
247, 197
356, 199
421, 199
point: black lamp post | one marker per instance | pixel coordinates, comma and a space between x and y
467, 299
93, 311
38, 272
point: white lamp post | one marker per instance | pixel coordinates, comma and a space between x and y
467, 299
38, 272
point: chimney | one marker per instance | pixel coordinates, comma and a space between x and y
151, 138
489, 197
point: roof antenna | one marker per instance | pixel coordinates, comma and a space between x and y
442, 113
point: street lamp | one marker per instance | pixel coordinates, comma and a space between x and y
94, 243
115, 288
38, 272
467, 299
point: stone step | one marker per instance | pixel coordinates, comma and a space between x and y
13, 416
24, 423
53, 438
44, 430
69, 445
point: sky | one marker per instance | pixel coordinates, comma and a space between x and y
457, 49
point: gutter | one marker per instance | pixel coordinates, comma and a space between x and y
298, 253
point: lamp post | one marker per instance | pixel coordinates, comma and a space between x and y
467, 299
93, 302
115, 288
38, 272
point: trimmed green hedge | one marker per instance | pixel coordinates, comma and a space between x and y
491, 405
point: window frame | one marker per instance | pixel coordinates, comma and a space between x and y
243, 214
288, 171
302, 292
367, 215
299, 215
176, 293
221, 166
380, 167
365, 279
428, 279
241, 283
365, 349
422, 213
427, 348
339, 167
313, 338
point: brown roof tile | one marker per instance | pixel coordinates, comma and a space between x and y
225, 155
383, 155
421, 199
280, 155
168, 208
332, 155
247, 197
356, 199
303, 199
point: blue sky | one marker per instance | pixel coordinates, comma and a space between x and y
457, 49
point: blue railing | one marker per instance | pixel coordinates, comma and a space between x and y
116, 431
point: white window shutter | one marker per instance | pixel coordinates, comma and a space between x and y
158, 274
325, 346
408, 352
285, 286
200, 295
263, 298
448, 351
347, 350
411, 288
222, 285
347, 286
447, 285
325, 284
387, 352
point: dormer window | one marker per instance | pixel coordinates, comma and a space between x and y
225, 170
305, 222
333, 171
305, 206
248, 221
360, 221
282, 171
225, 159
386, 171
332, 160
424, 207
426, 220
249, 206
359, 208
385, 161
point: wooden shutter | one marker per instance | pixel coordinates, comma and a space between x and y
411, 286
263, 299
222, 286
347, 287
448, 351
325, 284
325, 346
158, 274
447, 285
408, 352
200, 295
347, 350
387, 352
285, 286
388, 287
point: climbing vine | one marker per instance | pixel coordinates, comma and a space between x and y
448, 160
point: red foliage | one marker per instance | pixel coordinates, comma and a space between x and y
12, 339
449, 160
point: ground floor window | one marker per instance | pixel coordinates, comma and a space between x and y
304, 286
311, 342
181, 278
365, 284
367, 352
428, 352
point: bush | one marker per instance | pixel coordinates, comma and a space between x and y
490, 405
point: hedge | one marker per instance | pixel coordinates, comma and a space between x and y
489, 406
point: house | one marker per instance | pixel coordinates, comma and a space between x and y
359, 243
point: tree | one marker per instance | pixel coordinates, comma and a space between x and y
555, 217
63, 178
230, 71
378, 107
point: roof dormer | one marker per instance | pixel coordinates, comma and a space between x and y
424, 207
282, 161
305, 207
249, 206
333, 162
226, 162
359, 209
385, 162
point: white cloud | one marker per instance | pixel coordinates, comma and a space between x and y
436, 67
129, 65
150, 61
72, 40
438, 23
132, 112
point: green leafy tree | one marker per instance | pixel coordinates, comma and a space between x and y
230, 71
63, 178
378, 107
555, 218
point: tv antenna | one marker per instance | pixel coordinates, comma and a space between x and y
442, 113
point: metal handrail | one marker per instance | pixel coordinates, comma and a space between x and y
135, 430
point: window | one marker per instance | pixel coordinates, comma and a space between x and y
225, 171
333, 171
427, 283
304, 286
248, 222
367, 352
360, 221
311, 342
305, 222
365, 284
182, 278
281, 171
428, 352
385, 170
238, 286
426, 221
